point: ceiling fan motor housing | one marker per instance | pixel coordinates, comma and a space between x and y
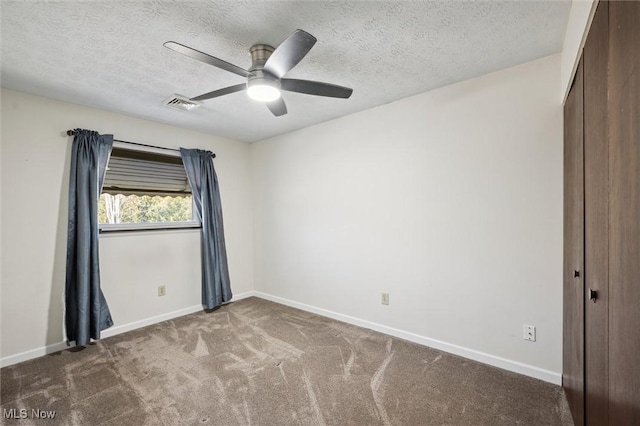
259, 55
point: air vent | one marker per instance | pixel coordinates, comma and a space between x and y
181, 102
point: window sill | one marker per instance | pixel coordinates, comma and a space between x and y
147, 227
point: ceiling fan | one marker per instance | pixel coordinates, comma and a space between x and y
265, 77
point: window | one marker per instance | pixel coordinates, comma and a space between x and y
145, 190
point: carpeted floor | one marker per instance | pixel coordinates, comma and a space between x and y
255, 362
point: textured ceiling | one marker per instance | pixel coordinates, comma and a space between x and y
109, 54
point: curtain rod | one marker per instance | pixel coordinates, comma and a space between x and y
72, 132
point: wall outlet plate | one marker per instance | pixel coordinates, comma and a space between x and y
384, 298
529, 333
162, 290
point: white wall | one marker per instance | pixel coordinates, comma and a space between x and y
451, 201
35, 162
580, 18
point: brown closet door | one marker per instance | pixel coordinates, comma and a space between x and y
573, 288
624, 227
596, 217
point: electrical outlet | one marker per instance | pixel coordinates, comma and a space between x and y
529, 333
385, 299
162, 290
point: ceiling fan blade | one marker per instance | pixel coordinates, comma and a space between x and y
220, 92
289, 53
277, 107
207, 59
316, 88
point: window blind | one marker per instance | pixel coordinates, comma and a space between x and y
143, 173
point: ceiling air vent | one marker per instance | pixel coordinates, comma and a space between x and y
181, 102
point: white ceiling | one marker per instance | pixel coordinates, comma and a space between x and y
109, 54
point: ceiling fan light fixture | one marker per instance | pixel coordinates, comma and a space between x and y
263, 89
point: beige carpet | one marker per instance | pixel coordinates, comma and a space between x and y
255, 362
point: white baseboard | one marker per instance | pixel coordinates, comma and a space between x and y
244, 295
33, 353
49, 349
119, 329
159, 318
496, 361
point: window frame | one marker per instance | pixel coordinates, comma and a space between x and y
194, 223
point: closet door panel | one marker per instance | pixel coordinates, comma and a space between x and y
624, 237
573, 289
596, 217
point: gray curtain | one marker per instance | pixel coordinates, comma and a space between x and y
216, 288
86, 310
